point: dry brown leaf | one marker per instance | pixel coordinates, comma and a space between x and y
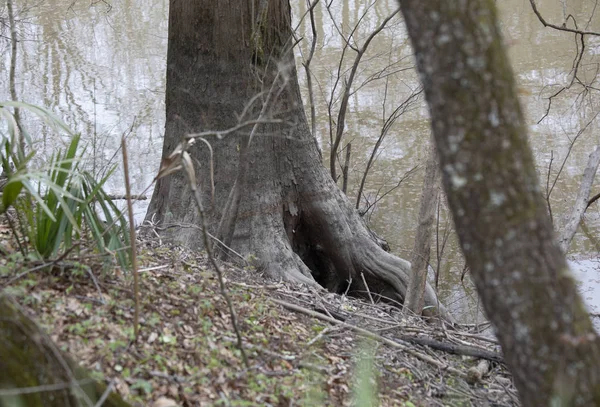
164, 402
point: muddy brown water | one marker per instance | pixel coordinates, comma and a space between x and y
101, 68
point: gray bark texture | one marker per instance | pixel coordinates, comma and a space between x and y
504, 230
580, 205
421, 251
224, 60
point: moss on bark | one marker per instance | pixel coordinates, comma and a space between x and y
34, 372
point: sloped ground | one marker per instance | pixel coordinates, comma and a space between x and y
186, 353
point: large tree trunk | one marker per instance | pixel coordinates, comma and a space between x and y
493, 190
291, 215
34, 372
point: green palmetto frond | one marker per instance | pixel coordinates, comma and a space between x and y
57, 204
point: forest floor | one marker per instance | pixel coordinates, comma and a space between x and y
305, 347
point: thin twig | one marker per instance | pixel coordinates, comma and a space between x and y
188, 168
346, 168
41, 389
134, 267
95, 281
226, 132
319, 336
548, 191
592, 200
362, 275
306, 64
106, 393
14, 231
341, 120
385, 128
579, 34
369, 334
41, 266
557, 27
569, 150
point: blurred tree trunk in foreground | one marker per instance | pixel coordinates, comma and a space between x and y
35, 372
489, 177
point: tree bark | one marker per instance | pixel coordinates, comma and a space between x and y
222, 61
421, 251
581, 201
34, 372
493, 190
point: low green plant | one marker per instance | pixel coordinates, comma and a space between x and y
62, 203
365, 386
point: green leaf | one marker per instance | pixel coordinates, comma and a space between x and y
143, 385
10, 193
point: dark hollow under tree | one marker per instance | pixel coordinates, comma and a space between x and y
227, 59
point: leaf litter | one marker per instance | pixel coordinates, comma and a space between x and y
186, 353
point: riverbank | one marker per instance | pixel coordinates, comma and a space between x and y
305, 347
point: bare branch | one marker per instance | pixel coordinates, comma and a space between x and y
562, 166
306, 64
387, 125
562, 27
345, 169
226, 132
341, 121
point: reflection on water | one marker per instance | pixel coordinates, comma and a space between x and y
101, 68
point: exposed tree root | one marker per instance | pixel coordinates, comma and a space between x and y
325, 241
286, 211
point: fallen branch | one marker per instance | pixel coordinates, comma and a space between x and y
369, 334
453, 348
124, 197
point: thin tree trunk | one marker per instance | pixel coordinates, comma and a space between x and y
311, 99
494, 193
581, 202
415, 294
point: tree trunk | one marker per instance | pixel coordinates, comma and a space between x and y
581, 201
34, 372
420, 255
223, 59
493, 190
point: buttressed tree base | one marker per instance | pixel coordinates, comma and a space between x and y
235, 66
